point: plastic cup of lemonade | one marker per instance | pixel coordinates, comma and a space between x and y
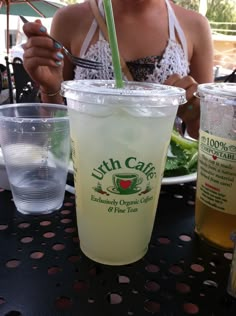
35, 141
119, 145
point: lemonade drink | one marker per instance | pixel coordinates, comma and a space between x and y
119, 141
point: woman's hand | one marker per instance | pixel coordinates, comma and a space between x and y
43, 59
190, 111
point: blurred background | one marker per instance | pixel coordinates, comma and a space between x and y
220, 13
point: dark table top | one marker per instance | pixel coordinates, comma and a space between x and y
44, 273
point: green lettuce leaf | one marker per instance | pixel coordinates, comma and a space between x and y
182, 157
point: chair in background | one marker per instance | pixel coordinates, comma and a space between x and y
1, 81
21, 83
4, 92
227, 78
232, 77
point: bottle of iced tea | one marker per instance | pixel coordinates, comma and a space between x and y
215, 210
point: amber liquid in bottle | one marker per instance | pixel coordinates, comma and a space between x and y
214, 226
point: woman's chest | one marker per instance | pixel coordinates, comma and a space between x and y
138, 39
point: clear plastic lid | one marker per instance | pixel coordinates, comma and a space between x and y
221, 89
74, 88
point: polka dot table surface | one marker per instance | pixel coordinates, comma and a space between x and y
44, 273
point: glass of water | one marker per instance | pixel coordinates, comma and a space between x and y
35, 143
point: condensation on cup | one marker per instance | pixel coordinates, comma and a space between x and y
35, 141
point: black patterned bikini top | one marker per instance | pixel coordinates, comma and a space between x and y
151, 69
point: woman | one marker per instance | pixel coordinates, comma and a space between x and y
160, 42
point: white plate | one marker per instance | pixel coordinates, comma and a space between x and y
1, 158
70, 168
166, 181
180, 179
4, 183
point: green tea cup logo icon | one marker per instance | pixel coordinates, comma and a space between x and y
126, 183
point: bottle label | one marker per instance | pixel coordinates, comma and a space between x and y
216, 183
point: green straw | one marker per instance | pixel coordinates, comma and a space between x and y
113, 43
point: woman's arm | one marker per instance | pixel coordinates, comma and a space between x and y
200, 54
69, 26
201, 62
60, 32
44, 59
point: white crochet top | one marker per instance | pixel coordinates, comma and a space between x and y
174, 59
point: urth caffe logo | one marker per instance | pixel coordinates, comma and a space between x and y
124, 183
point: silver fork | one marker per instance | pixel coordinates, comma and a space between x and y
81, 62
